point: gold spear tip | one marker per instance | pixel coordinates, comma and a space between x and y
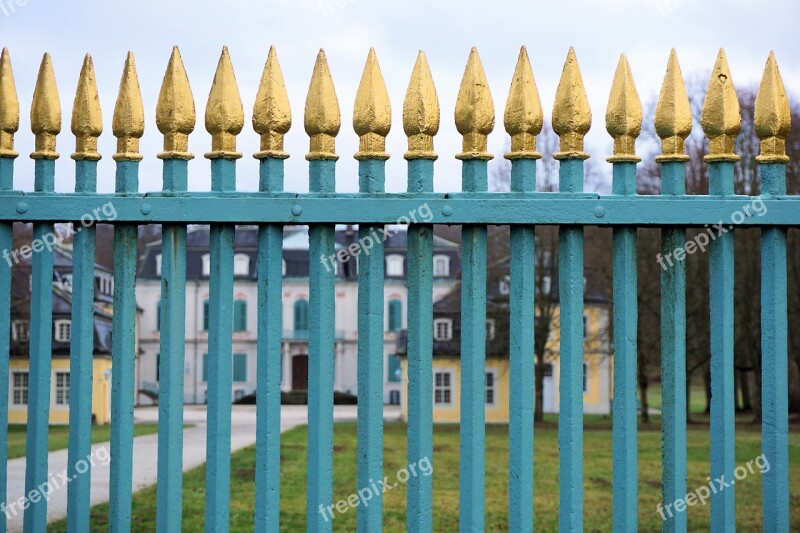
322, 119
128, 121
523, 116
773, 116
9, 107
224, 111
721, 118
272, 115
175, 111
474, 110
673, 119
624, 114
421, 112
572, 116
46, 111
372, 112
87, 117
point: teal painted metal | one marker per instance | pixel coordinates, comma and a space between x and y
6, 242
220, 354
723, 422
419, 495
472, 470
268, 368
588, 209
41, 335
570, 419
521, 359
170, 391
372, 176
673, 361
774, 362
321, 353
625, 476
123, 359
81, 360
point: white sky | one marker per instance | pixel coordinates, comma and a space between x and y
446, 29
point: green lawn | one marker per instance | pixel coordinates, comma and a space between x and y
59, 436
597, 480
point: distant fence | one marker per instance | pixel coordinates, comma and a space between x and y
271, 208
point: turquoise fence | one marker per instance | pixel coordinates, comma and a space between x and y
474, 208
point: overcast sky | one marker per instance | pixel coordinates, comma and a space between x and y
446, 29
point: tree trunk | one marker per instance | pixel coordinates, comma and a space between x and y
707, 383
643, 383
688, 398
538, 411
744, 385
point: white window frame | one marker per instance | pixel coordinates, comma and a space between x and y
443, 322
504, 286
441, 266
491, 372
21, 388
58, 335
491, 328
206, 259
158, 265
449, 387
241, 265
61, 389
21, 330
394, 265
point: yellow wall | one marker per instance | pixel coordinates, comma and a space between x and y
59, 415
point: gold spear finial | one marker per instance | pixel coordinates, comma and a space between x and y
624, 114
272, 116
175, 112
474, 110
224, 111
9, 107
46, 112
128, 122
523, 117
721, 118
87, 118
572, 116
673, 118
421, 114
372, 113
773, 116
322, 116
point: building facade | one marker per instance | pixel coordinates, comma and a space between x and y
294, 376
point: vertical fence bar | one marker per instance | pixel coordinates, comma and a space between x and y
46, 124
87, 124
272, 119
624, 123
322, 123
123, 358
673, 357
421, 117
624, 408
522, 361
673, 121
372, 118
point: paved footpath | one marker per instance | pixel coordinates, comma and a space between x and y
145, 452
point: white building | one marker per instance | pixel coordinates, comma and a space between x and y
295, 311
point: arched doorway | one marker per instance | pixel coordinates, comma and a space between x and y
300, 372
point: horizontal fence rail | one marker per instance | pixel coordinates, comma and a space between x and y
272, 209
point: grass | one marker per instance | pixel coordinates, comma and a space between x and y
597, 480
59, 436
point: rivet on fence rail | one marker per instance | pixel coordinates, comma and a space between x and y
87, 118
572, 116
372, 114
9, 108
272, 116
128, 123
322, 117
523, 116
721, 118
46, 112
175, 113
421, 114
